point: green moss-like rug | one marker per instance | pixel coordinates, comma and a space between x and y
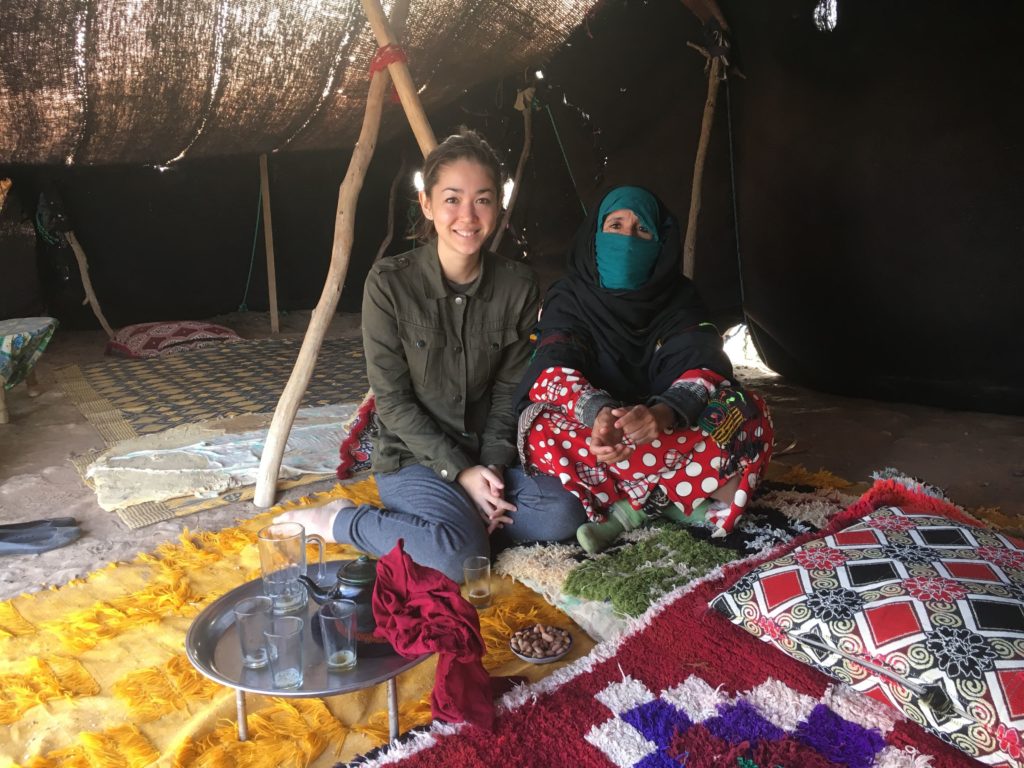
602, 592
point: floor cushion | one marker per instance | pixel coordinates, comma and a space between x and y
155, 339
916, 610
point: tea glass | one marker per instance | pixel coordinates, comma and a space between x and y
282, 560
252, 618
476, 572
338, 628
284, 650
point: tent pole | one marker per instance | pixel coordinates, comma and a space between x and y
392, 194
268, 237
689, 245
344, 231
524, 103
704, 10
90, 294
404, 84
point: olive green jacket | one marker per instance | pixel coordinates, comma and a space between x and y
443, 365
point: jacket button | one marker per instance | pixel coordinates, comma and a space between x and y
459, 299
421, 343
457, 398
458, 349
444, 473
495, 346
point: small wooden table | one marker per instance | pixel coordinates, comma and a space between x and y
213, 648
22, 341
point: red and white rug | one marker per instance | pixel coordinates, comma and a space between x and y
684, 686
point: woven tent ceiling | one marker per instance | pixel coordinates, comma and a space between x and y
136, 81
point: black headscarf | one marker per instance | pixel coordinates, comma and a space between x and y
632, 343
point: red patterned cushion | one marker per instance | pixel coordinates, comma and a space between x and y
914, 610
154, 339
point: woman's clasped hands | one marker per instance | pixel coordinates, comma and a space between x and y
618, 430
486, 487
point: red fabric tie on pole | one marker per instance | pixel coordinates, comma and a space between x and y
386, 55
420, 610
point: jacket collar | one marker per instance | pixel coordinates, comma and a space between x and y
435, 286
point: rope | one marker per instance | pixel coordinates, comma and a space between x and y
48, 237
735, 206
565, 157
243, 307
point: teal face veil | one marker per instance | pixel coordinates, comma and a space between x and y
624, 262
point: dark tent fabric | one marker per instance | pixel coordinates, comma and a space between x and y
136, 82
861, 203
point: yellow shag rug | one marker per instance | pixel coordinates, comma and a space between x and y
94, 673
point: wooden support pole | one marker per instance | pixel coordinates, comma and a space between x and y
689, 244
524, 102
344, 231
392, 195
404, 84
706, 9
90, 294
268, 239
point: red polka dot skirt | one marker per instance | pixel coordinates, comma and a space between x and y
688, 464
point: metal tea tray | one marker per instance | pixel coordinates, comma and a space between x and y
213, 648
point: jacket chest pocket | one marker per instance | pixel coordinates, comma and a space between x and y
424, 351
485, 352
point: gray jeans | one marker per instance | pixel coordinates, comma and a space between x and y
441, 525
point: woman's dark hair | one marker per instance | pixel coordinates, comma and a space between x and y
467, 144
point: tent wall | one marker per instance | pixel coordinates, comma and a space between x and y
877, 189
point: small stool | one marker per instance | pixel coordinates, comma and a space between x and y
22, 341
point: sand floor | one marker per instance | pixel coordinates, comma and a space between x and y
977, 458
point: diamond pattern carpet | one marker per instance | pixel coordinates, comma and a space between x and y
125, 399
128, 398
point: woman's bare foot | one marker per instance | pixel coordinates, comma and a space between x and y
318, 520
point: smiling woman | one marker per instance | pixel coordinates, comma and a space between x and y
445, 331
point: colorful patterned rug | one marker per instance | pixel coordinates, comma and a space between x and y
94, 674
125, 399
685, 687
602, 592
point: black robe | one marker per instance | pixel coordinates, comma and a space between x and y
632, 343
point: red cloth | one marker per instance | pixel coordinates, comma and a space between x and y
420, 610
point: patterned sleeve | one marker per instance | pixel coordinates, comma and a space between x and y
569, 389
689, 394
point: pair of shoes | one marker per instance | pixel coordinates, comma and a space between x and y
596, 537
38, 535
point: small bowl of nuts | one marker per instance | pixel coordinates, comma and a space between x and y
541, 643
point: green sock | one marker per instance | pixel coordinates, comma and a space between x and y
676, 515
628, 517
596, 537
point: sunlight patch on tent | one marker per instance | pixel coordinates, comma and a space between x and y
826, 15
326, 91
506, 192
218, 68
739, 347
80, 81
